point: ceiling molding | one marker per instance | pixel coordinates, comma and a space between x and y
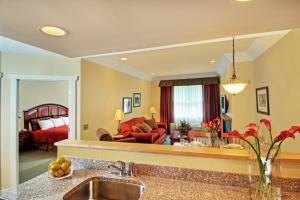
256, 49
120, 67
190, 43
186, 76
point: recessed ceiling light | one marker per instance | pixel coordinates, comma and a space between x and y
152, 74
212, 61
53, 31
124, 58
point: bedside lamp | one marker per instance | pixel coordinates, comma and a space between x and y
152, 111
119, 115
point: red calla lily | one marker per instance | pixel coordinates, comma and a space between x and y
283, 135
294, 129
235, 133
253, 126
267, 123
250, 132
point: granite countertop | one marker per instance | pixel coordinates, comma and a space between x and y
43, 188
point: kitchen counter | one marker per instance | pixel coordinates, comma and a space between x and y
156, 187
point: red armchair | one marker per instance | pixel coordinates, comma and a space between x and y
157, 136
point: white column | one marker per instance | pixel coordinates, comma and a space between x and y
72, 110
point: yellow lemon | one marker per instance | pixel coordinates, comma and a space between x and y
64, 166
52, 163
60, 160
68, 171
51, 172
55, 167
59, 173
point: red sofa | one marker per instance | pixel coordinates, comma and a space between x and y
157, 136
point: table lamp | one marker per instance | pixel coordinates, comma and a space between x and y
119, 115
152, 111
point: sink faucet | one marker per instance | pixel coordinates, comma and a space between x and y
126, 169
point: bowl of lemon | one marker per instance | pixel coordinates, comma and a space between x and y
60, 168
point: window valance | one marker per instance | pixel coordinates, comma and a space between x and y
193, 81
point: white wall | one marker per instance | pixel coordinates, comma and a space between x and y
14, 63
33, 93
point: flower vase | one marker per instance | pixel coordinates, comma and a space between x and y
262, 184
213, 138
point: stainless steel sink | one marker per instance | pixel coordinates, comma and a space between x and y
100, 188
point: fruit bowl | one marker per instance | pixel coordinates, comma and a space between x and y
60, 168
62, 177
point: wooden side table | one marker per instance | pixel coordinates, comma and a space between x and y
23, 140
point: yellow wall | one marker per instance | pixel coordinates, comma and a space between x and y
155, 98
279, 69
33, 93
102, 93
241, 106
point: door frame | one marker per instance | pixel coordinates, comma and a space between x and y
14, 110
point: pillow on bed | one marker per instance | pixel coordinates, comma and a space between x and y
57, 122
35, 124
46, 124
65, 119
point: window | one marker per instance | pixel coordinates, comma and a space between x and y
188, 104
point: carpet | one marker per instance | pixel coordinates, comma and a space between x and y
33, 163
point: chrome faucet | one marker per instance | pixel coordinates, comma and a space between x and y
126, 169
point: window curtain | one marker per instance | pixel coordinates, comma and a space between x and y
211, 101
188, 104
166, 106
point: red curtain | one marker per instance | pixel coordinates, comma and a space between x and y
166, 105
211, 101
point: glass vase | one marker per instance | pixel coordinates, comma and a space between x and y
213, 139
262, 179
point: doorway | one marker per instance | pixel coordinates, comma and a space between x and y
45, 103
14, 128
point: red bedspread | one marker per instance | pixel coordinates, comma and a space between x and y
50, 135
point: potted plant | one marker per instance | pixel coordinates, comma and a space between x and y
265, 156
213, 127
183, 127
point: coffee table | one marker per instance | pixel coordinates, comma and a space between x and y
175, 137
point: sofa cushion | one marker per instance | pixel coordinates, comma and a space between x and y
136, 129
145, 127
151, 123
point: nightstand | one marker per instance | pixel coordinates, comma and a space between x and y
23, 140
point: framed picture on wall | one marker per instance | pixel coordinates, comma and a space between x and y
127, 105
262, 100
137, 99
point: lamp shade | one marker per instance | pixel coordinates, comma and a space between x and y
119, 115
152, 110
234, 86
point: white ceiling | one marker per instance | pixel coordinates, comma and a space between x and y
104, 26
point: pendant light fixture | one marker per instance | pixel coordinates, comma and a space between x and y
234, 86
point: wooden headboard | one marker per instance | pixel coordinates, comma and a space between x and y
42, 111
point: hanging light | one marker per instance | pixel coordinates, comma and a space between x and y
234, 86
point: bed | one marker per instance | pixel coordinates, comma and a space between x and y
49, 136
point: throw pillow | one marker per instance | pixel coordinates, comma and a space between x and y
57, 122
46, 124
137, 129
152, 123
146, 128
